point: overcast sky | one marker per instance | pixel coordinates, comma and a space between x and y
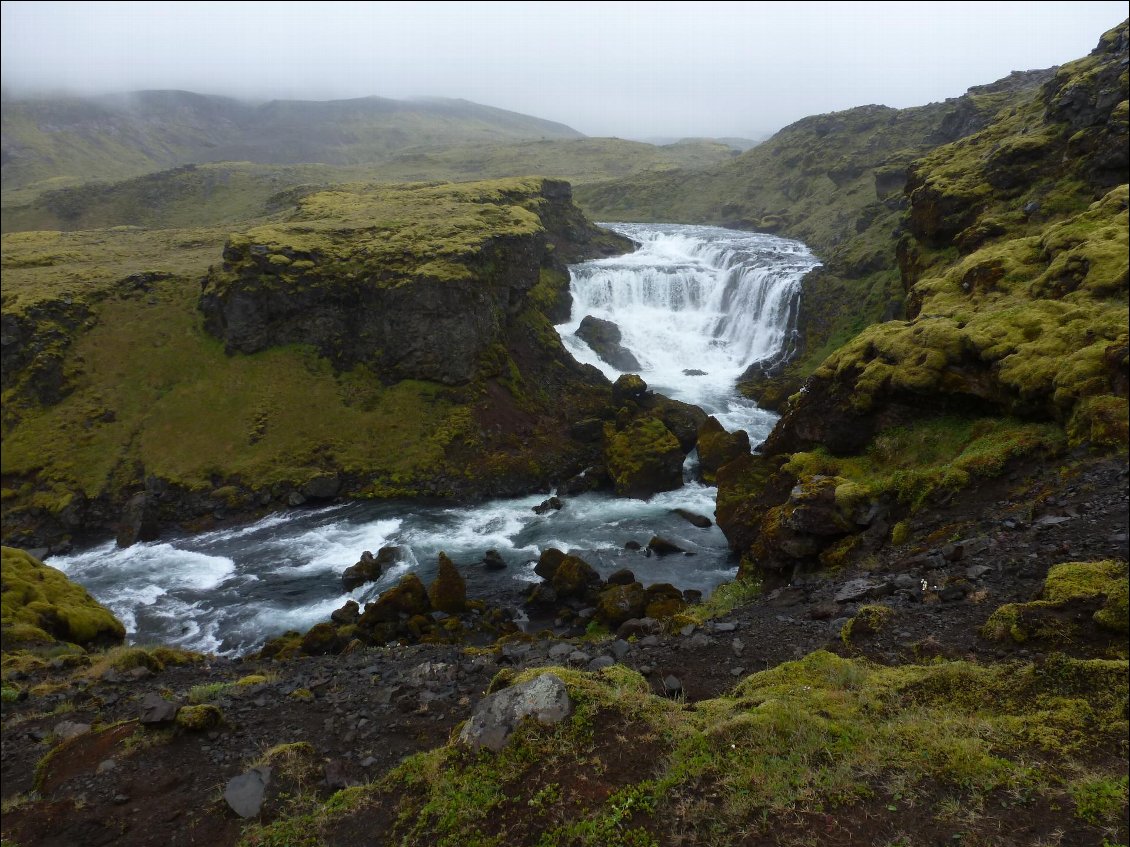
628, 69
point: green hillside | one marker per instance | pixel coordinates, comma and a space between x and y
67, 141
116, 385
222, 193
1013, 251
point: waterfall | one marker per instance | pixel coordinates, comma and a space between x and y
699, 299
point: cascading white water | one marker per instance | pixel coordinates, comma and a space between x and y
695, 298
690, 298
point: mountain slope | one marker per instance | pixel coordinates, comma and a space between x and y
71, 140
221, 193
1015, 263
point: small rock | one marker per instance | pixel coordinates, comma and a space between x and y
560, 650
244, 793
687, 630
632, 545
861, 589
493, 561
905, 581
601, 662
578, 657
336, 778
725, 626
621, 577
672, 685
70, 729
155, 709
368, 762
737, 671
662, 547
106, 766
693, 518
550, 505
977, 571
620, 648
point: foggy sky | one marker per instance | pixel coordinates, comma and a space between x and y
627, 69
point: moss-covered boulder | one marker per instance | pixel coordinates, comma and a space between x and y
39, 604
717, 447
1073, 593
618, 603
643, 459
448, 591
574, 577
663, 601
628, 388
199, 718
407, 598
321, 639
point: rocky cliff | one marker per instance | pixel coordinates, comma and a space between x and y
371, 342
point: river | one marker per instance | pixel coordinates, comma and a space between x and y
703, 300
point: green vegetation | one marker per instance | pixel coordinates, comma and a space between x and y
1066, 586
915, 462
117, 379
40, 605
227, 192
820, 734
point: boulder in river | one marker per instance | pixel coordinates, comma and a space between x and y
693, 518
493, 561
604, 339
644, 458
660, 546
448, 592
369, 568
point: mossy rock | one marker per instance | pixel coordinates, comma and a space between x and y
37, 599
628, 388
321, 639
1069, 587
448, 591
548, 562
869, 620
409, 598
574, 577
717, 447
643, 459
199, 718
619, 603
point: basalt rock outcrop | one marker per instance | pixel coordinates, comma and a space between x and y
387, 341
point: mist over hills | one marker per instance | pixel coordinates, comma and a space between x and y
77, 139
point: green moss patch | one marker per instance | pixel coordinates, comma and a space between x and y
823, 734
1055, 617
39, 600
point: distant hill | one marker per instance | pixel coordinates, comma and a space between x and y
221, 193
69, 140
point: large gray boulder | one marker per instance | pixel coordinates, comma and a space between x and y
544, 698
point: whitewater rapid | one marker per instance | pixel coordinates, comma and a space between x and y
691, 298
695, 298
